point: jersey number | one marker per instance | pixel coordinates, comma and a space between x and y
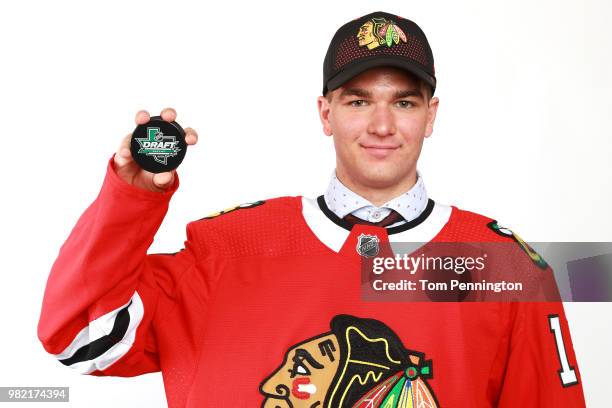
566, 373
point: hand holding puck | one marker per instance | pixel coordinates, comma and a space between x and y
156, 179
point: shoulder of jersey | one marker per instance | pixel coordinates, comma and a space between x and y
467, 226
260, 211
470, 226
260, 227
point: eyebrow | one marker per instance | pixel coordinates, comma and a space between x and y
404, 93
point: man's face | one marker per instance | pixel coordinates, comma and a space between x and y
302, 381
378, 121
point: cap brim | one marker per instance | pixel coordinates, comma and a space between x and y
356, 68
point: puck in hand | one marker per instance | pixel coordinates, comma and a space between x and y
158, 146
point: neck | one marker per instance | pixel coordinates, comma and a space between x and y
378, 195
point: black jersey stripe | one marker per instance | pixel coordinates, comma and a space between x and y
392, 230
100, 346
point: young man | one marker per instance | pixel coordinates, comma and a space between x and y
264, 306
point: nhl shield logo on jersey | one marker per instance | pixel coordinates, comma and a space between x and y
380, 31
368, 245
360, 363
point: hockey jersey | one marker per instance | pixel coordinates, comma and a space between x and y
262, 307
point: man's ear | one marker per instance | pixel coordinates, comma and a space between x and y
432, 109
323, 105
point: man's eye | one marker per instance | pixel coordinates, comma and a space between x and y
405, 104
359, 102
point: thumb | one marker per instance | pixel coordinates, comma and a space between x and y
163, 180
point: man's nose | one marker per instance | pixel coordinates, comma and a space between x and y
382, 122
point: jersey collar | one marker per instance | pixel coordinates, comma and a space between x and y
334, 232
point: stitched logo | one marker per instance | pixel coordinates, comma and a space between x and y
234, 208
360, 363
506, 232
380, 31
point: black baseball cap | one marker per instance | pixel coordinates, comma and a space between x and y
375, 40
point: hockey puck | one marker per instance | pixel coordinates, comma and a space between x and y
158, 145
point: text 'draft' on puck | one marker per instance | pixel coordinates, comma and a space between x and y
158, 145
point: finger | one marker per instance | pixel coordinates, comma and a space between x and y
168, 114
142, 117
124, 155
163, 180
191, 136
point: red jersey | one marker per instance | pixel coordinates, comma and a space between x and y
262, 308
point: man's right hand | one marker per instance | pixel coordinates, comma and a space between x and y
132, 173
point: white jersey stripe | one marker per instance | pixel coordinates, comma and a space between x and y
99, 328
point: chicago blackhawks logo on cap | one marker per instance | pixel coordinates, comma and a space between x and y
380, 31
359, 363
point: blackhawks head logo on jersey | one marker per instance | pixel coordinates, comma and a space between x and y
360, 363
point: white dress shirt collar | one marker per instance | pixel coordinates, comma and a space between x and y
342, 201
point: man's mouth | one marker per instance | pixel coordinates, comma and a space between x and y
379, 151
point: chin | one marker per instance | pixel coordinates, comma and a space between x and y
378, 176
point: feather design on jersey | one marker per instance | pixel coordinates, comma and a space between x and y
376, 395
423, 397
398, 391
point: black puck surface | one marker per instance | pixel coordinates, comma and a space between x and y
158, 146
